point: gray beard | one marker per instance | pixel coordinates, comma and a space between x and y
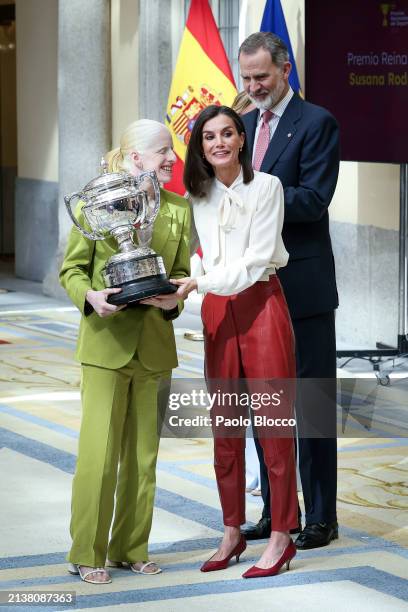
271, 100
265, 104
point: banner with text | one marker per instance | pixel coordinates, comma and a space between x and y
357, 68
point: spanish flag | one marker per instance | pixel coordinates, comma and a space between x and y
202, 77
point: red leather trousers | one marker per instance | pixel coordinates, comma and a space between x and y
249, 335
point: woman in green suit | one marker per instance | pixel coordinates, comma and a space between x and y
125, 354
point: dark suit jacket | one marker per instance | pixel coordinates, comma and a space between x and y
304, 155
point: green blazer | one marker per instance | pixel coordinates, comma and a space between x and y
110, 342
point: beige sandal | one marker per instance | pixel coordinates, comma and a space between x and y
144, 565
76, 570
131, 566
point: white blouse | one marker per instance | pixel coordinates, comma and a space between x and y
239, 229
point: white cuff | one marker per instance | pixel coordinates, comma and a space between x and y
202, 284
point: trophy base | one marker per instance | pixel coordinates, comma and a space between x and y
141, 289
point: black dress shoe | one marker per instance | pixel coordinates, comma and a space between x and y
316, 535
262, 530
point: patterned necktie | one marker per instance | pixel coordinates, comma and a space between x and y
263, 140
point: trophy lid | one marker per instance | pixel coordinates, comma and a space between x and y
107, 180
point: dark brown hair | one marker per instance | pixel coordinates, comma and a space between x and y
197, 170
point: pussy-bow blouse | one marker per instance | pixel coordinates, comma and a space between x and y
239, 229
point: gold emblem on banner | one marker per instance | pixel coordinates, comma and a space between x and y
385, 8
185, 109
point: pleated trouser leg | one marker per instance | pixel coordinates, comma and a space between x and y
222, 361
250, 335
111, 400
137, 472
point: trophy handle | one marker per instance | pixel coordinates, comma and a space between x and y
80, 196
136, 181
142, 198
156, 188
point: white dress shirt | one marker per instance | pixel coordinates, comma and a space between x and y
239, 229
277, 111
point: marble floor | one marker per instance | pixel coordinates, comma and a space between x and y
365, 570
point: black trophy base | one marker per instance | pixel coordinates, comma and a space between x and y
142, 289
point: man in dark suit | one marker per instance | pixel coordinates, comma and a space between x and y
299, 143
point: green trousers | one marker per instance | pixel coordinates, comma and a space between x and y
118, 428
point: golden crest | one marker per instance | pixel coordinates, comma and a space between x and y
385, 8
186, 108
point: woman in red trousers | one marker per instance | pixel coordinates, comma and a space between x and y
238, 216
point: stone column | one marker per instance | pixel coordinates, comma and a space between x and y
155, 61
84, 106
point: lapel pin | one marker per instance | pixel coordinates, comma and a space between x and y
290, 134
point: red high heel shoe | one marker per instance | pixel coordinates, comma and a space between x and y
213, 566
259, 572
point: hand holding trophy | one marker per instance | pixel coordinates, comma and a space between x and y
118, 204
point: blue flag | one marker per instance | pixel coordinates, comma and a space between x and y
273, 20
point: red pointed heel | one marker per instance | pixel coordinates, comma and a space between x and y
286, 558
214, 566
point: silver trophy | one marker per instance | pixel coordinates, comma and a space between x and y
118, 204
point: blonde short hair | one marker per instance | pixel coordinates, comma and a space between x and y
138, 136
